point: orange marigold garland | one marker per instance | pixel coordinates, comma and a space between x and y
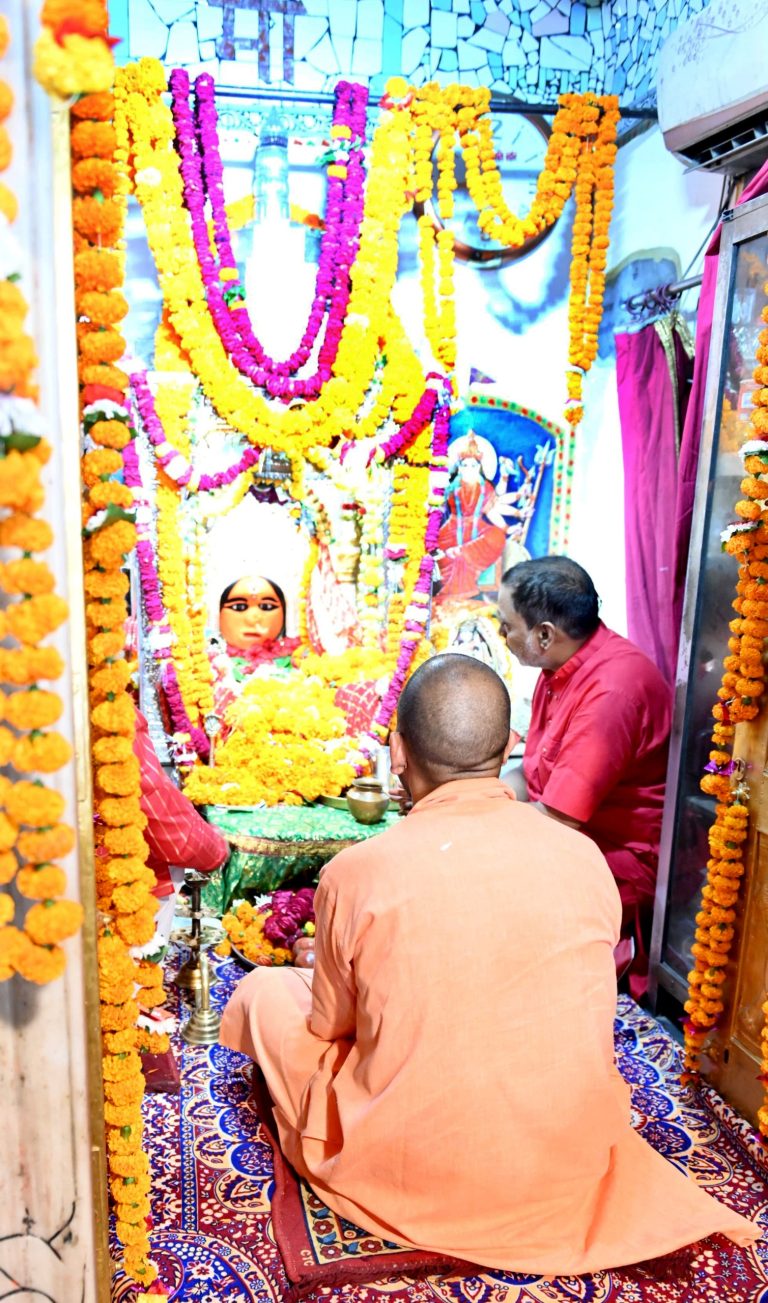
123, 881
31, 834
740, 698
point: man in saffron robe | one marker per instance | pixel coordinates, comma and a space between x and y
596, 751
444, 1077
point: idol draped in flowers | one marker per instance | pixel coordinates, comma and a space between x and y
252, 614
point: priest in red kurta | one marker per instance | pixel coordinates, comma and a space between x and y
445, 1077
596, 751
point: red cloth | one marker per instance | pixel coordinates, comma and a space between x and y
596, 751
175, 832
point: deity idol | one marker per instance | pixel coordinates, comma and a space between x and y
252, 619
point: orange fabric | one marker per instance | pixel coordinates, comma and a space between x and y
446, 1077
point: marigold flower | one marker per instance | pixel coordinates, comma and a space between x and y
97, 269
120, 1066
20, 530
41, 881
105, 615
99, 106
136, 929
36, 617
35, 805
92, 140
26, 576
52, 921
43, 753
103, 373
52, 844
111, 545
112, 750
102, 647
119, 1017
118, 716
7, 908
9, 204
98, 463
40, 964
106, 586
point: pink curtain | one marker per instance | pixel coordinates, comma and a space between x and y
653, 387
689, 449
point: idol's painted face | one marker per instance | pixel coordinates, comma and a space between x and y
252, 614
524, 643
470, 470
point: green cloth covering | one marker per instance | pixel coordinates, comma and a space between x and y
289, 840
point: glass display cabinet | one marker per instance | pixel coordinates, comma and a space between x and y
710, 590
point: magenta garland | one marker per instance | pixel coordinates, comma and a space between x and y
201, 172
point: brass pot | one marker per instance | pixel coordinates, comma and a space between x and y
367, 800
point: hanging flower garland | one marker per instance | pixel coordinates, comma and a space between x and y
597, 120
32, 836
202, 172
123, 882
159, 188
740, 699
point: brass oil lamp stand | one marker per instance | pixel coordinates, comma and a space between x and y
203, 1025
189, 976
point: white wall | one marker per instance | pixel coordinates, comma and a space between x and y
658, 206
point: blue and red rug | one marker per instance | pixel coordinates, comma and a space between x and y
214, 1181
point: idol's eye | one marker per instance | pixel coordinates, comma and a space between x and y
269, 604
238, 605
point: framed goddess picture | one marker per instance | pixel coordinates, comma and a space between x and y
500, 501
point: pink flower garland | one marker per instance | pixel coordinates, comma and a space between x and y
151, 593
340, 243
344, 209
175, 465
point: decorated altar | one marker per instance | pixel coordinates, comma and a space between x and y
277, 526
273, 846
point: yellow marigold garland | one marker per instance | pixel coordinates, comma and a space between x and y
288, 745
31, 834
740, 698
158, 187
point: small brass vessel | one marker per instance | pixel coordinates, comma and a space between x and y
367, 800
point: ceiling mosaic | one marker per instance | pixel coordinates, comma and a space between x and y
534, 49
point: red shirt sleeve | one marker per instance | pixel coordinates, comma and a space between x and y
595, 752
175, 832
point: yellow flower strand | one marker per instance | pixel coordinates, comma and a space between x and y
159, 189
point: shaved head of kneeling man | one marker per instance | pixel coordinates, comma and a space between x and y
444, 1077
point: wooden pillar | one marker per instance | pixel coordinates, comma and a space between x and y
53, 1217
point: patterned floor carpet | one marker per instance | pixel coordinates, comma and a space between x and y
212, 1166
